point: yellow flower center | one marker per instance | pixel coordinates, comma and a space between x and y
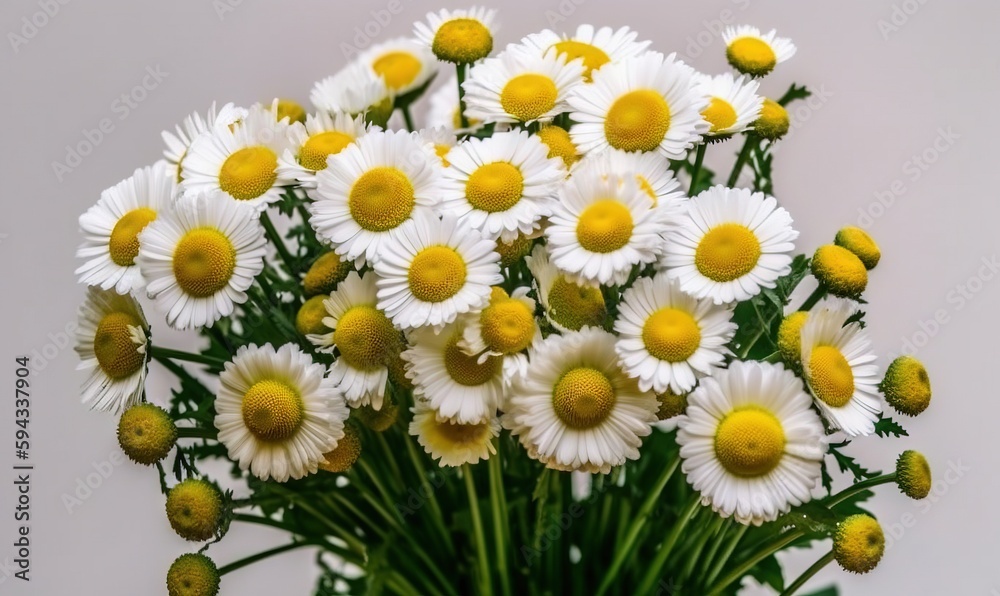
146, 433
773, 122
830, 376
442, 151
605, 226
462, 434
727, 252
398, 68
720, 114
117, 355
462, 41
751, 55
194, 509
466, 370
840, 270
515, 250
124, 244
574, 306
365, 337
907, 386
583, 398
790, 336
593, 56
288, 108
318, 147
749, 442
324, 274
637, 121
381, 199
346, 452
528, 96
508, 325
494, 187
204, 261
913, 474
249, 173
671, 404
559, 143
436, 274
310, 317
671, 334
272, 410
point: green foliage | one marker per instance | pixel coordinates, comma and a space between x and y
886, 426
758, 318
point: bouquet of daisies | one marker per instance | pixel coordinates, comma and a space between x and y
532, 348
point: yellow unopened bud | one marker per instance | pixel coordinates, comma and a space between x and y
146, 433
773, 122
790, 336
913, 474
194, 509
193, 574
858, 543
860, 243
906, 386
840, 271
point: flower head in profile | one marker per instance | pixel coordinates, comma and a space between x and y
754, 53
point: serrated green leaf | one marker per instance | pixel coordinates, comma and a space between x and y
886, 426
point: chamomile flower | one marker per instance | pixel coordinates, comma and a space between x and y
354, 90
365, 338
444, 110
753, 53
644, 103
733, 105
668, 339
458, 36
324, 134
241, 161
602, 227
193, 127
459, 387
839, 367
443, 140
111, 228
276, 413
199, 258
731, 243
575, 409
503, 185
596, 47
453, 443
651, 170
405, 64
568, 305
435, 270
751, 444
559, 144
371, 188
521, 86
505, 327
111, 340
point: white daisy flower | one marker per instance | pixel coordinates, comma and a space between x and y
371, 188
751, 444
459, 387
365, 338
521, 86
193, 127
458, 36
503, 185
575, 409
731, 243
199, 258
645, 103
354, 90
241, 161
839, 367
443, 140
405, 64
452, 443
435, 270
276, 413
596, 47
568, 306
651, 170
323, 135
668, 339
444, 111
111, 228
505, 327
733, 105
602, 227
753, 53
111, 340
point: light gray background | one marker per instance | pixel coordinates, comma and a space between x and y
887, 95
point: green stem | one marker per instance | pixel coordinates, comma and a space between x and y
501, 522
279, 244
167, 353
656, 569
463, 120
304, 214
431, 497
486, 586
638, 523
808, 573
698, 160
777, 544
189, 432
407, 117
694, 555
734, 540
261, 556
773, 358
858, 487
741, 159
813, 298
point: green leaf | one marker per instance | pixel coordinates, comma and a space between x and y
886, 426
768, 572
827, 591
852, 504
848, 464
812, 517
794, 92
